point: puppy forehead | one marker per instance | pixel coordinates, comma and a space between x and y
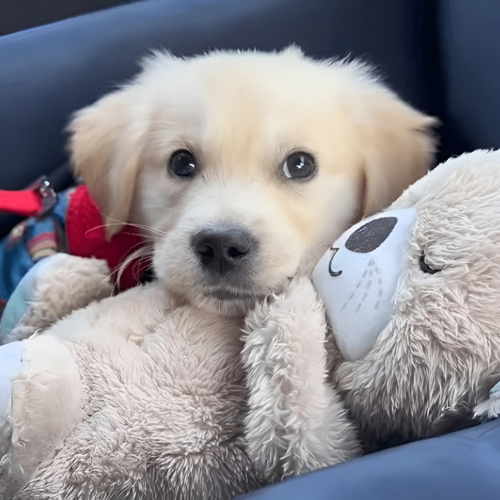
264, 90
249, 103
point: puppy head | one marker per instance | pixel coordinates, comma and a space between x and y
246, 165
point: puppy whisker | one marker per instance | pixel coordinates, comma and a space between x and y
142, 255
162, 206
117, 222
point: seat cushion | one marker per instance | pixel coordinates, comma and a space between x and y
463, 465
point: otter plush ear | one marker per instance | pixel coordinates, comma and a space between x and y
397, 144
106, 145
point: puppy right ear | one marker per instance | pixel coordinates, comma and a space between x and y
106, 143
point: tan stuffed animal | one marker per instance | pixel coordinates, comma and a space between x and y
412, 295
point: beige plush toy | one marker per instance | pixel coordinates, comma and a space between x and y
412, 295
134, 397
131, 398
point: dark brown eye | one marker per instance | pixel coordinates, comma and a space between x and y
182, 164
299, 166
426, 268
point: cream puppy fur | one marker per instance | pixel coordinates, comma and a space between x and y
241, 168
242, 116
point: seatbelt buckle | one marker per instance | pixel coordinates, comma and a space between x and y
48, 196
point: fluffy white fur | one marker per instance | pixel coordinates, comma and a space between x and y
171, 406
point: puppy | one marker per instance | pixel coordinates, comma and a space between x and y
241, 168
244, 166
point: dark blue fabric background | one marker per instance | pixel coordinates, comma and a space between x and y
464, 465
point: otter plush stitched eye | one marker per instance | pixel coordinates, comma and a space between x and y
299, 166
182, 164
426, 268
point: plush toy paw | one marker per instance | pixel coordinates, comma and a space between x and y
41, 400
489, 409
294, 317
54, 288
296, 422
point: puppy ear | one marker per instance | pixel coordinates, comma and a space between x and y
398, 147
106, 145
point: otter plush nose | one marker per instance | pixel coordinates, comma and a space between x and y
223, 249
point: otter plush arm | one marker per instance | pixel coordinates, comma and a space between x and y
295, 421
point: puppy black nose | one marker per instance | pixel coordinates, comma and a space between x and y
223, 249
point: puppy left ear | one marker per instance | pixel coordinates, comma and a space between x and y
106, 145
398, 146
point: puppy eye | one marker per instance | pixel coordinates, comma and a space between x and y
299, 166
426, 268
182, 164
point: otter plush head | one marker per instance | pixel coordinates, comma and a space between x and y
413, 297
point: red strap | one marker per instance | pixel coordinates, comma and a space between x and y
27, 203
36, 200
